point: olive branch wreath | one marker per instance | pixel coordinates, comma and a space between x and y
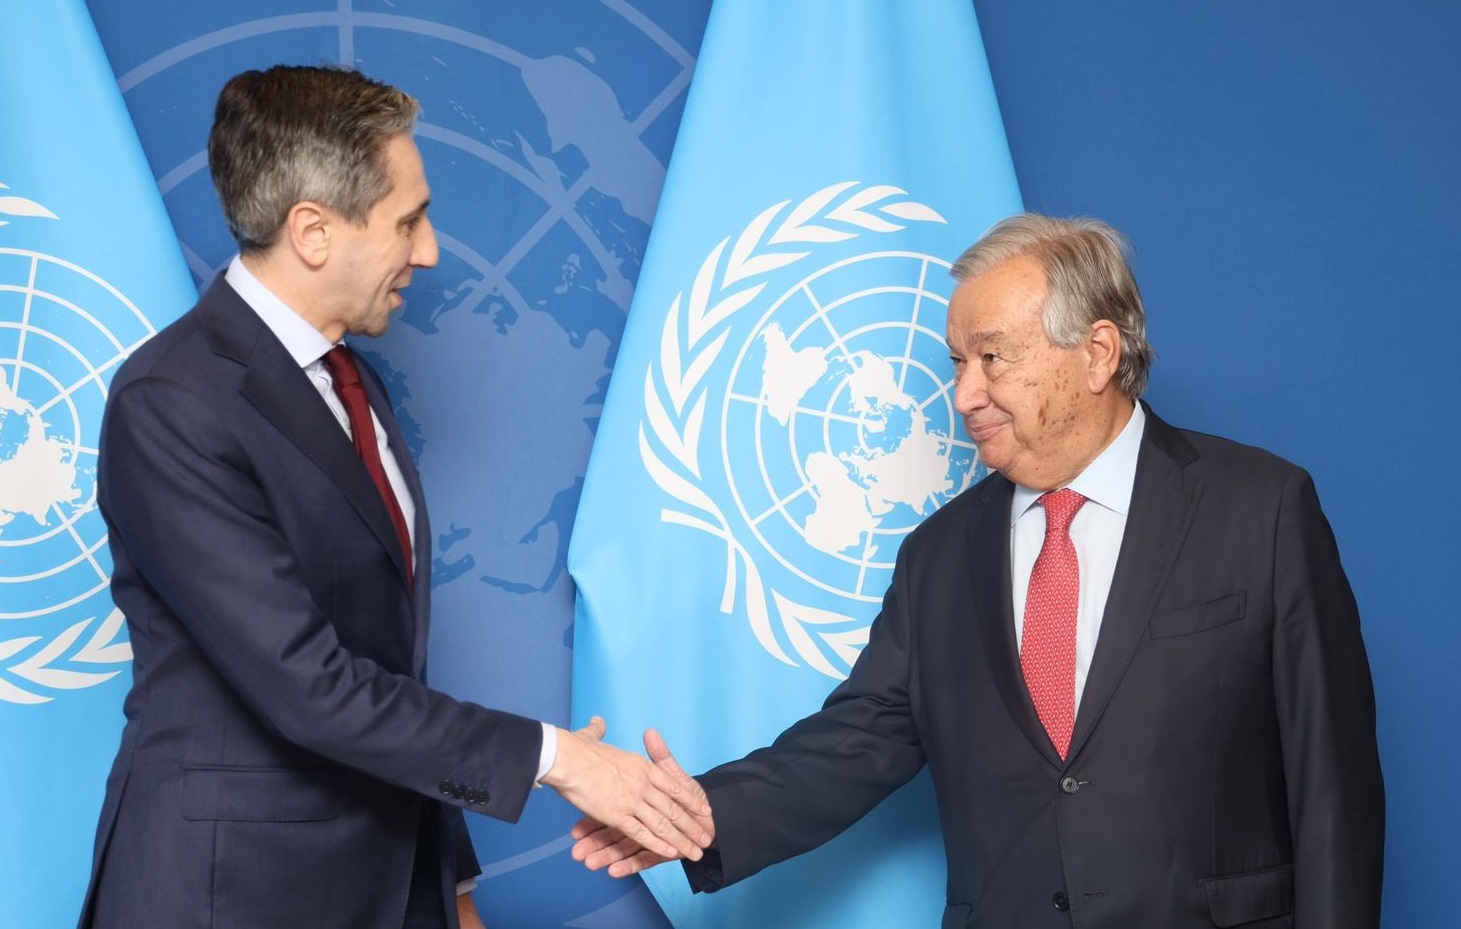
694, 334
102, 648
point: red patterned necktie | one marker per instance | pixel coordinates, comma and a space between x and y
1047, 649
346, 376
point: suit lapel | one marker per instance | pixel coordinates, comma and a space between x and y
1163, 503
994, 611
421, 556
282, 393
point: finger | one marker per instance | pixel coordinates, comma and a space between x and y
682, 791
668, 822
586, 827
658, 819
596, 851
613, 853
659, 753
627, 857
641, 827
594, 730
635, 864
595, 842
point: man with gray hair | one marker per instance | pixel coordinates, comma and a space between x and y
284, 763
1130, 657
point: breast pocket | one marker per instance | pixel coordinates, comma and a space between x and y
1199, 617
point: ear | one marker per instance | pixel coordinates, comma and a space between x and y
307, 228
1103, 352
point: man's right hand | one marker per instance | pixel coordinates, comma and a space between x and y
658, 809
601, 846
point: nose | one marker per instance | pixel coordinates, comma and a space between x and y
424, 252
970, 389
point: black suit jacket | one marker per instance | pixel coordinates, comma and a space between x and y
281, 747
1223, 769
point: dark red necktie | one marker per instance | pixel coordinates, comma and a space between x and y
1047, 645
346, 376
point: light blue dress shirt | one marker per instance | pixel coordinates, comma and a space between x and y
1096, 532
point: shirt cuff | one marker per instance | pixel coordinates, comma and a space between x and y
548, 754
467, 886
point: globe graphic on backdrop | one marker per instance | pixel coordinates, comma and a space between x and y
854, 432
52, 392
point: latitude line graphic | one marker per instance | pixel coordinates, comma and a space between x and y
346, 20
94, 377
802, 410
87, 554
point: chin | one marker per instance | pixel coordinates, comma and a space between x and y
993, 459
371, 329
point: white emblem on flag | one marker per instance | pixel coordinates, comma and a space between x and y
836, 434
55, 359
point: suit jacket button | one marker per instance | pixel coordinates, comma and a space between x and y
447, 788
1069, 784
1061, 901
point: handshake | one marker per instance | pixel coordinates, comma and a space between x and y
637, 813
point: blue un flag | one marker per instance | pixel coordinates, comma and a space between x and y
89, 268
781, 415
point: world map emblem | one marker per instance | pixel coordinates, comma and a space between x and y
836, 428
63, 331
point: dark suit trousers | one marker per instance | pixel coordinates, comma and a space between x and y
424, 906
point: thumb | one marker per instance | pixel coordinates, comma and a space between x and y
659, 752
595, 729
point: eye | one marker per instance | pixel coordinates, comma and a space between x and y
990, 358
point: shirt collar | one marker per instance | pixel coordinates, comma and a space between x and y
304, 342
1108, 480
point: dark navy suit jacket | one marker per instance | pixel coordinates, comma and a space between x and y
1223, 770
281, 746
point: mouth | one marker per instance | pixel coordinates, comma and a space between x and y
979, 433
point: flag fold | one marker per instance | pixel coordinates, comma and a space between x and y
780, 414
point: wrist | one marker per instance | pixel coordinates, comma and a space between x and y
565, 745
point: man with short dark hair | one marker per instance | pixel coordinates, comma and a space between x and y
284, 763
1130, 658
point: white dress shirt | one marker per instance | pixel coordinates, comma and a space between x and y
307, 346
1096, 532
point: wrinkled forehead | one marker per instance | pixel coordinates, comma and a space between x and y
1002, 304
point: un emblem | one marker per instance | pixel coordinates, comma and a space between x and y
56, 357
837, 433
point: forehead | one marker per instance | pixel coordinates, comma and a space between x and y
1007, 300
407, 174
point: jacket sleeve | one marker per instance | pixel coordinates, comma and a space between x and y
1326, 710
825, 772
179, 492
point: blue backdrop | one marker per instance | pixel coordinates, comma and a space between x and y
1286, 172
